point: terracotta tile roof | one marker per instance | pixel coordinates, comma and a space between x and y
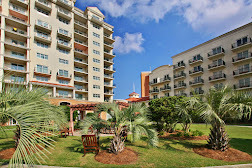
133, 93
138, 99
47, 83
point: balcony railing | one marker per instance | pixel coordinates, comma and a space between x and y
243, 85
216, 64
181, 65
196, 71
201, 81
219, 76
42, 71
181, 94
44, 4
242, 71
191, 61
180, 85
80, 32
66, 2
111, 45
109, 60
42, 36
80, 23
242, 57
245, 41
66, 44
215, 53
66, 77
154, 91
179, 75
43, 24
64, 33
108, 76
165, 88
65, 13
197, 92
19, 10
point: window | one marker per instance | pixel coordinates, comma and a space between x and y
244, 82
41, 23
96, 77
63, 41
17, 42
18, 9
96, 86
166, 77
242, 41
63, 20
63, 51
196, 57
243, 55
96, 95
96, 52
96, 35
78, 78
42, 69
63, 61
96, 43
155, 80
217, 62
244, 68
42, 56
64, 82
41, 78
42, 34
155, 96
96, 60
96, 26
63, 73
17, 67
78, 41
78, 96
79, 69
96, 17
43, 45
63, 93
17, 78
196, 69
217, 74
217, 50
218, 85
180, 63
78, 87
43, 11
96, 69
78, 59
62, 31
17, 55
197, 79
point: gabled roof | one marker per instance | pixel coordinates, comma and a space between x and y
96, 11
133, 93
142, 99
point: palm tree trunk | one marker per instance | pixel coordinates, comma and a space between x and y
17, 136
218, 138
117, 144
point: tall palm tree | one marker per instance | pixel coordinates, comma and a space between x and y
134, 117
218, 104
34, 116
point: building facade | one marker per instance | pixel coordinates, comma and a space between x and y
224, 60
145, 84
53, 44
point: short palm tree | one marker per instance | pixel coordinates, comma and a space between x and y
218, 104
34, 116
133, 117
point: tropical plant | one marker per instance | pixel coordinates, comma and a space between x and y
218, 104
163, 112
133, 117
34, 116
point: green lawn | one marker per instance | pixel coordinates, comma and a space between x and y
170, 153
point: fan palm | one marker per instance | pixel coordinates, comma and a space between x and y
218, 104
134, 117
34, 116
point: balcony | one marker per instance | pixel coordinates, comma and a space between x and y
65, 34
42, 37
107, 76
81, 14
81, 81
16, 58
65, 3
14, 32
64, 45
43, 26
20, 70
108, 45
108, 54
81, 34
179, 75
107, 29
166, 88
23, 3
108, 84
242, 71
43, 4
80, 71
180, 86
15, 82
179, 66
154, 91
82, 90
41, 72
212, 54
218, 77
16, 45
196, 82
109, 70
81, 62
64, 13
243, 57
217, 65
196, 71
82, 25
181, 94
80, 52
197, 92
244, 43
242, 86
194, 61
108, 61
97, 20
108, 93
109, 38
63, 77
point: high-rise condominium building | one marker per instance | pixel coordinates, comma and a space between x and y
224, 60
53, 44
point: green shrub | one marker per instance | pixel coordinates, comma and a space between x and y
197, 133
179, 134
186, 134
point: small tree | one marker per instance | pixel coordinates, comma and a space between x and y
163, 112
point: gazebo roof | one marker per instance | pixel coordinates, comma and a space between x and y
91, 106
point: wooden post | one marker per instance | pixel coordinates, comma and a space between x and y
71, 124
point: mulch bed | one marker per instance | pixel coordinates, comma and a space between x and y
231, 155
7, 153
127, 156
172, 136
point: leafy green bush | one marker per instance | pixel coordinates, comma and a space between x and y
197, 133
186, 134
179, 134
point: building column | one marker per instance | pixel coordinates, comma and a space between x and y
2, 50
54, 92
71, 124
30, 88
74, 94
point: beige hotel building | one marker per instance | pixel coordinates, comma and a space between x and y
224, 60
53, 44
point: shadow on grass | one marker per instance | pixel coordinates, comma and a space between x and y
7, 145
244, 145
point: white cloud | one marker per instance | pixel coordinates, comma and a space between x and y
207, 15
130, 42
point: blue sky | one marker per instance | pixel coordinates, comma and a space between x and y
149, 32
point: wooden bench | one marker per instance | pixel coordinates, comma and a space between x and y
66, 132
90, 144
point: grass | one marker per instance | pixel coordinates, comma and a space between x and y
170, 153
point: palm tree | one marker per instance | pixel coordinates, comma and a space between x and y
134, 117
34, 116
218, 104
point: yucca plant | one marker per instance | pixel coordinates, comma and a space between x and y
34, 116
218, 104
134, 117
